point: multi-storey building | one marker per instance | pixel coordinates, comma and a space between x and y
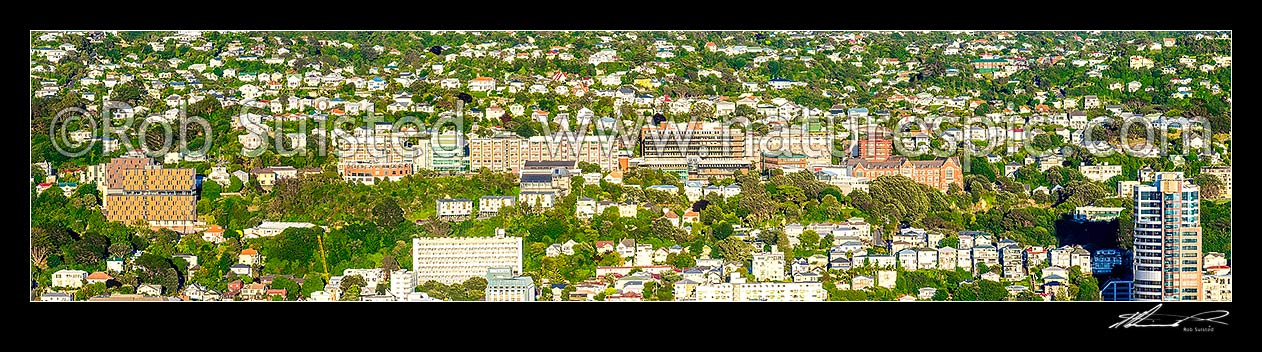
446, 153
985, 254
69, 278
785, 161
111, 173
457, 207
1106, 259
504, 152
1100, 173
768, 266
491, 205
1093, 213
875, 148
875, 161
452, 260
1013, 260
780, 292
1224, 174
1217, 287
372, 155
503, 286
402, 282
948, 258
1126, 189
163, 198
790, 148
762, 291
564, 146
696, 150
1167, 257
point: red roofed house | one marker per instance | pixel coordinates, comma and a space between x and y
674, 218
482, 84
235, 286
248, 256
627, 296
99, 276
277, 292
214, 234
691, 217
604, 246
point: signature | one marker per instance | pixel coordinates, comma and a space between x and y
1150, 319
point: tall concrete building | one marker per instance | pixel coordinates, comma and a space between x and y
1167, 262
562, 146
504, 152
696, 150
452, 260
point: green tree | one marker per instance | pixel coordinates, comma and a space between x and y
312, 283
210, 190
1028, 295
291, 288
991, 291
809, 239
234, 184
351, 293
352, 281
735, 250
90, 290
120, 249
588, 167
1211, 186
387, 213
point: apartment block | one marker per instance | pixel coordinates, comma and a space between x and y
452, 260
1167, 258
768, 266
165, 198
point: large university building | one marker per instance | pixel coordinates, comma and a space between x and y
939, 173
370, 156
698, 150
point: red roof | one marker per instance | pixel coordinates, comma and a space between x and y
249, 251
99, 276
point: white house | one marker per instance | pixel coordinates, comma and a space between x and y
69, 278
